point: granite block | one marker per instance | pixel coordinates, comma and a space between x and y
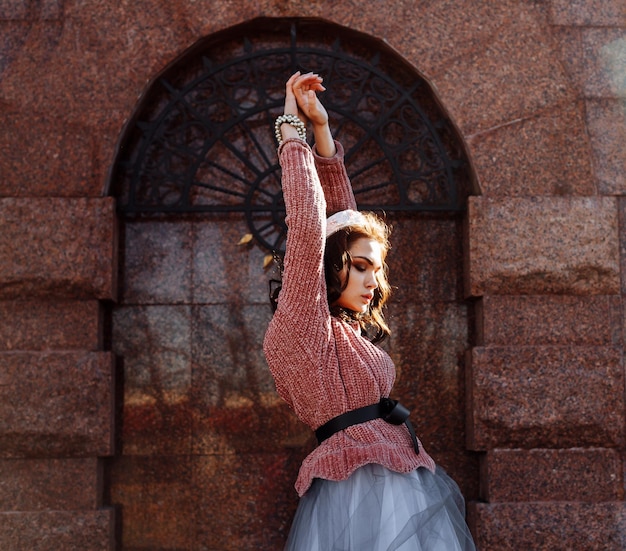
55, 404
227, 351
225, 272
57, 248
606, 121
97, 61
547, 154
585, 475
154, 344
543, 245
428, 343
545, 397
51, 10
463, 467
49, 484
227, 518
14, 9
50, 325
12, 38
513, 76
177, 262
557, 526
549, 319
604, 55
621, 202
588, 13
242, 426
235, 406
156, 495
570, 43
440, 31
426, 259
42, 157
56, 530
157, 262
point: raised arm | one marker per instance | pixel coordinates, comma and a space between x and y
328, 153
335, 182
303, 294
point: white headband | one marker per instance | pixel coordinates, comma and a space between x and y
343, 219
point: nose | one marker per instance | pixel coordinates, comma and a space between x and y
372, 282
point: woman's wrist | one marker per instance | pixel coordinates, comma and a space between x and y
289, 126
287, 131
324, 142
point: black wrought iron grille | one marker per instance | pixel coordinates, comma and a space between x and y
202, 139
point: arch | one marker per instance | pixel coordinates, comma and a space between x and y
201, 139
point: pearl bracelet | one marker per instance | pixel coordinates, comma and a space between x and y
294, 121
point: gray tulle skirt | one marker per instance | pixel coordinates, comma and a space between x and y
376, 509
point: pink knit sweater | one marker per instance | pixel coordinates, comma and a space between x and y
322, 366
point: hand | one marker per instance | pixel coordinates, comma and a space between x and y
291, 105
304, 88
301, 100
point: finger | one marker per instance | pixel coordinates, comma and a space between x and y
291, 106
293, 77
307, 79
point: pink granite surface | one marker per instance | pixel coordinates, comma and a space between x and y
557, 526
511, 77
43, 156
184, 262
576, 474
231, 501
545, 396
14, 9
592, 13
457, 32
606, 121
622, 220
250, 523
58, 248
96, 62
425, 261
50, 325
547, 154
604, 62
543, 245
570, 44
56, 404
428, 343
50, 484
149, 489
549, 319
56, 530
189, 329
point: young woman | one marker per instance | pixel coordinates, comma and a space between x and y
369, 485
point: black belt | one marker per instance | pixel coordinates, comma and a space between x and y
387, 409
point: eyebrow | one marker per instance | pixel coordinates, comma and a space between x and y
368, 260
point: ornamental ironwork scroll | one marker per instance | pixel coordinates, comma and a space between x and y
202, 140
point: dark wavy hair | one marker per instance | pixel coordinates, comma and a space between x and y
336, 256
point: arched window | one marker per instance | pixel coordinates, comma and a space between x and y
202, 141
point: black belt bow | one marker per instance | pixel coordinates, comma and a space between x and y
389, 410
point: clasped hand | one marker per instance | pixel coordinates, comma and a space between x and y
301, 98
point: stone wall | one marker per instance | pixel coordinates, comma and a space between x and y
537, 91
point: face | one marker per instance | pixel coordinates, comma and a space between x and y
367, 265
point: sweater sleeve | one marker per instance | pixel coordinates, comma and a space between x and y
335, 182
303, 294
